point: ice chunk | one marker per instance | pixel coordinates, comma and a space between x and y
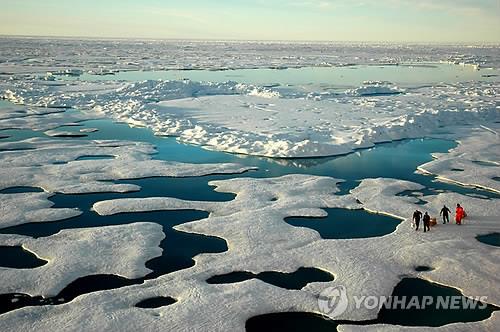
122, 250
54, 165
21, 208
477, 155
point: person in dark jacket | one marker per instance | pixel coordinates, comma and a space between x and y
445, 212
427, 222
416, 218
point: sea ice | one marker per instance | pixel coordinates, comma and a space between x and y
89, 130
246, 119
105, 57
22, 208
259, 240
64, 133
39, 118
73, 253
475, 162
52, 165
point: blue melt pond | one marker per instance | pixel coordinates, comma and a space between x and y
493, 239
348, 224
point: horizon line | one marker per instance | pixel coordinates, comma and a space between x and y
76, 37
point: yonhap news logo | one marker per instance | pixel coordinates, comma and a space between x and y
333, 302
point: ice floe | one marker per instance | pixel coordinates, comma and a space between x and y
475, 161
282, 127
467, 264
39, 118
259, 240
374, 89
104, 57
122, 250
54, 166
89, 130
22, 208
247, 119
64, 133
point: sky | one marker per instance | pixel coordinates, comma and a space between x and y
463, 21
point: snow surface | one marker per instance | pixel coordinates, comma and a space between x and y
22, 208
89, 130
273, 122
64, 133
73, 253
475, 161
52, 165
39, 118
259, 240
240, 118
66, 56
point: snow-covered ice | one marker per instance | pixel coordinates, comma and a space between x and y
39, 118
52, 165
105, 57
475, 162
22, 208
268, 121
247, 119
259, 240
274, 121
73, 253
64, 133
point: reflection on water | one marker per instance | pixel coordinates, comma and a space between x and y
398, 159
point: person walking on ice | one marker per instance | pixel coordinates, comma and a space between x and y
416, 218
427, 222
459, 214
445, 213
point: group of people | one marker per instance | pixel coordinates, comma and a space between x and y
445, 213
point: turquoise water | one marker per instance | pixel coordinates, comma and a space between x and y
396, 160
19, 134
314, 77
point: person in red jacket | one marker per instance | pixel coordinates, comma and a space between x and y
459, 214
